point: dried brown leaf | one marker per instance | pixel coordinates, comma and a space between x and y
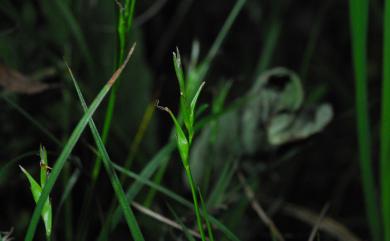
13, 81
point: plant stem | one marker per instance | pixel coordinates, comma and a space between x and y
385, 126
195, 199
359, 22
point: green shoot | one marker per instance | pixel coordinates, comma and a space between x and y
184, 141
385, 126
36, 191
129, 215
206, 217
359, 25
68, 147
125, 19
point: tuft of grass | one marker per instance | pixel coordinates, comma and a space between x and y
128, 213
114, 215
36, 190
358, 10
66, 151
197, 72
385, 126
184, 140
125, 19
124, 23
179, 199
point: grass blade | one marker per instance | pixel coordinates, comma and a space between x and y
184, 228
385, 126
220, 38
36, 191
115, 215
141, 179
125, 17
59, 164
206, 216
128, 213
359, 23
31, 119
77, 32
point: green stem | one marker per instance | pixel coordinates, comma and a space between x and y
220, 38
195, 199
385, 126
359, 23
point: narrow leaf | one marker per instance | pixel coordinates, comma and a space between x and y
59, 164
179, 71
36, 191
182, 142
128, 213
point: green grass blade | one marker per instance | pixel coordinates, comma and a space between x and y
125, 18
31, 119
36, 191
219, 190
65, 10
179, 221
59, 164
128, 213
385, 126
206, 216
359, 23
268, 48
179, 199
5, 169
313, 39
114, 217
219, 40
68, 188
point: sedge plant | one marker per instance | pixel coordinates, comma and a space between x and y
65, 153
128, 213
124, 23
36, 190
125, 20
185, 137
199, 68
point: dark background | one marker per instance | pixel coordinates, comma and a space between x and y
35, 35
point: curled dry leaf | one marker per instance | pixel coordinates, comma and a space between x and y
14, 81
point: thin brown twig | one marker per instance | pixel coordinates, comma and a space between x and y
328, 225
162, 219
258, 209
318, 223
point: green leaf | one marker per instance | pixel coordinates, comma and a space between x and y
128, 213
179, 72
59, 164
36, 191
182, 142
206, 216
193, 105
44, 164
179, 199
158, 160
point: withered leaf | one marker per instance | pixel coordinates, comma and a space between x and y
14, 81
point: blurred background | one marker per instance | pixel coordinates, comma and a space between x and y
292, 182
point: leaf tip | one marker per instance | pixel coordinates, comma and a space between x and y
117, 73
